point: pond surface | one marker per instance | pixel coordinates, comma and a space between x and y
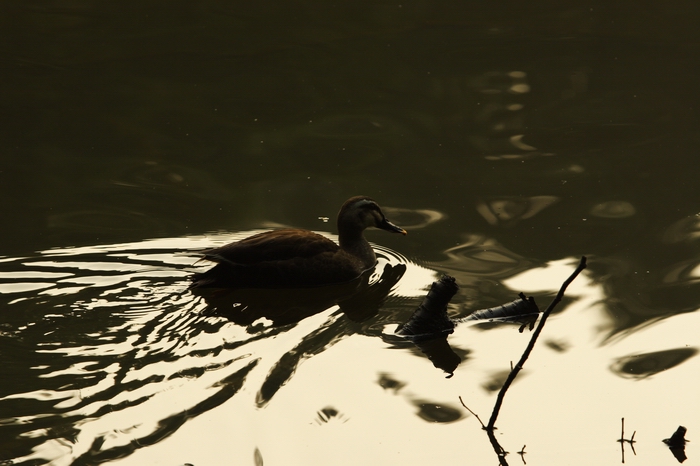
507, 142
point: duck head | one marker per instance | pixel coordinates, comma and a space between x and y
361, 212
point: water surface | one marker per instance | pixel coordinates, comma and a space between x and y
508, 141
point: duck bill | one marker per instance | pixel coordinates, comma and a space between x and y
388, 226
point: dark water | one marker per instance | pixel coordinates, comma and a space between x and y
509, 141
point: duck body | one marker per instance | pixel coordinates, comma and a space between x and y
295, 258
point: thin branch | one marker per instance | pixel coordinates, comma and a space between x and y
500, 452
473, 413
622, 441
522, 454
622, 433
518, 367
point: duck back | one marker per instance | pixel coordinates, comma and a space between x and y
277, 245
287, 258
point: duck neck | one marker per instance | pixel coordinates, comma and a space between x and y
354, 243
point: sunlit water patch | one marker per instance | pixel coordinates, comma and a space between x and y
107, 357
108, 351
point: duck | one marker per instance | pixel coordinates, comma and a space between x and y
296, 258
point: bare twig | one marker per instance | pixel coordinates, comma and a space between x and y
522, 453
622, 438
622, 432
473, 413
622, 441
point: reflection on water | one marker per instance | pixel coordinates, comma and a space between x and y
480, 264
118, 350
571, 129
510, 210
359, 299
500, 116
613, 209
109, 356
685, 230
413, 219
644, 365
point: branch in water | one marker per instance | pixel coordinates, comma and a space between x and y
523, 310
430, 319
491, 426
518, 367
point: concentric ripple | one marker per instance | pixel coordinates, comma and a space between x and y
108, 352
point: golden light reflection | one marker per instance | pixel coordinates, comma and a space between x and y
613, 209
687, 229
141, 374
413, 219
508, 210
500, 118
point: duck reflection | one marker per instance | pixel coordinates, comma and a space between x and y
359, 299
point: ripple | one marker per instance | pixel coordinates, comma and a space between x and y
413, 219
103, 222
687, 229
171, 179
509, 210
613, 209
414, 281
121, 355
479, 255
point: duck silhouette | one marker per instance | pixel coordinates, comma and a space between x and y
295, 258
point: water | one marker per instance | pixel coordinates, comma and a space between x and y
123, 354
111, 356
508, 142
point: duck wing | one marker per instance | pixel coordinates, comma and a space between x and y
278, 259
278, 245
